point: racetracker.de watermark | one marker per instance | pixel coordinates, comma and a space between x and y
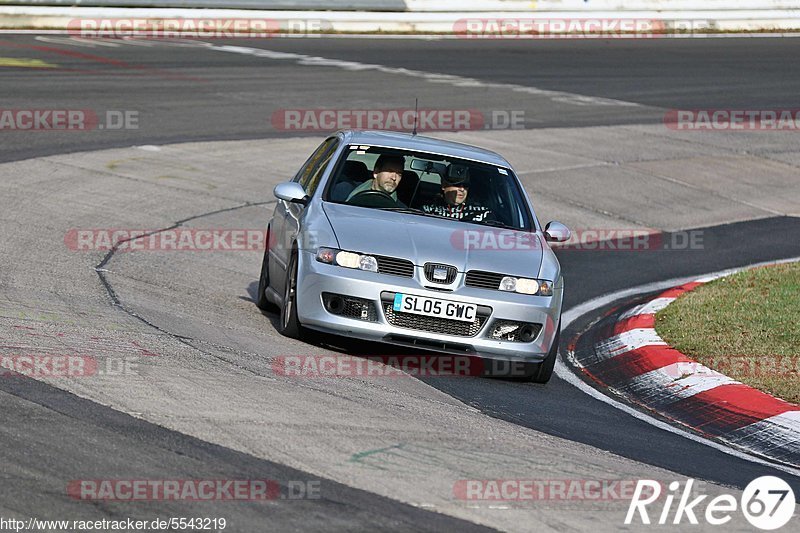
558, 28
587, 239
733, 119
193, 490
738, 365
39, 119
394, 366
169, 240
400, 119
196, 28
519, 490
65, 366
632, 240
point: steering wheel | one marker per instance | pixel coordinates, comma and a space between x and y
372, 198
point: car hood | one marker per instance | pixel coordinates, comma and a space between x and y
422, 239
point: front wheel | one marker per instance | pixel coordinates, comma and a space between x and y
545, 370
289, 325
263, 282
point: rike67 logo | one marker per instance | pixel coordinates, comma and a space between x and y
767, 502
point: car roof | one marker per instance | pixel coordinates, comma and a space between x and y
422, 143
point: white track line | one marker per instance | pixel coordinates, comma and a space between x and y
431, 77
565, 373
649, 308
659, 389
626, 341
779, 431
74, 41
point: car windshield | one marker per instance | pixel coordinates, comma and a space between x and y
430, 185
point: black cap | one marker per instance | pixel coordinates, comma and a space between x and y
456, 175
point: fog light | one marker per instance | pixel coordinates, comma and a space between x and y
335, 305
513, 331
528, 332
350, 307
504, 329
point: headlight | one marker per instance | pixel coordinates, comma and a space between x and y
346, 259
367, 262
538, 287
508, 284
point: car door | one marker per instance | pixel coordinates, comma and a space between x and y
286, 220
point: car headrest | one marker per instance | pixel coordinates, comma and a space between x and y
410, 175
356, 171
407, 186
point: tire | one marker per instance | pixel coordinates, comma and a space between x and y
289, 325
545, 370
263, 282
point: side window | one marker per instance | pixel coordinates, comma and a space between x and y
314, 162
319, 170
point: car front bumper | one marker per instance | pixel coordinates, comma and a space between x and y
315, 278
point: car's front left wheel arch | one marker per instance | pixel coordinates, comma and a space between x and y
289, 324
263, 280
545, 369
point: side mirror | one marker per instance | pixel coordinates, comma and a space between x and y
292, 192
556, 232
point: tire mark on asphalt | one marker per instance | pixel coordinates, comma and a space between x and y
116, 302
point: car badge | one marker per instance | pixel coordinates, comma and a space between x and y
440, 273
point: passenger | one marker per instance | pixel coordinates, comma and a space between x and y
453, 202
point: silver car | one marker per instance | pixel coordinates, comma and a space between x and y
415, 241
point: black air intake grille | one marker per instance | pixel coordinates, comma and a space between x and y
483, 280
395, 267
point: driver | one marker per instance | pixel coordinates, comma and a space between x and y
385, 177
453, 202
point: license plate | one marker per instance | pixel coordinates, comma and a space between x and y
422, 305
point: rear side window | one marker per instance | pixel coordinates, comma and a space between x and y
319, 170
315, 162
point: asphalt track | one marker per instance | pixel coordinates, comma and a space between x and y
599, 425
191, 95
186, 93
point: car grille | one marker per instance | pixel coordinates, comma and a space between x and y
483, 280
431, 324
395, 267
429, 344
450, 275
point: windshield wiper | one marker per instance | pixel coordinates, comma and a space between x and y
403, 210
415, 211
493, 223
